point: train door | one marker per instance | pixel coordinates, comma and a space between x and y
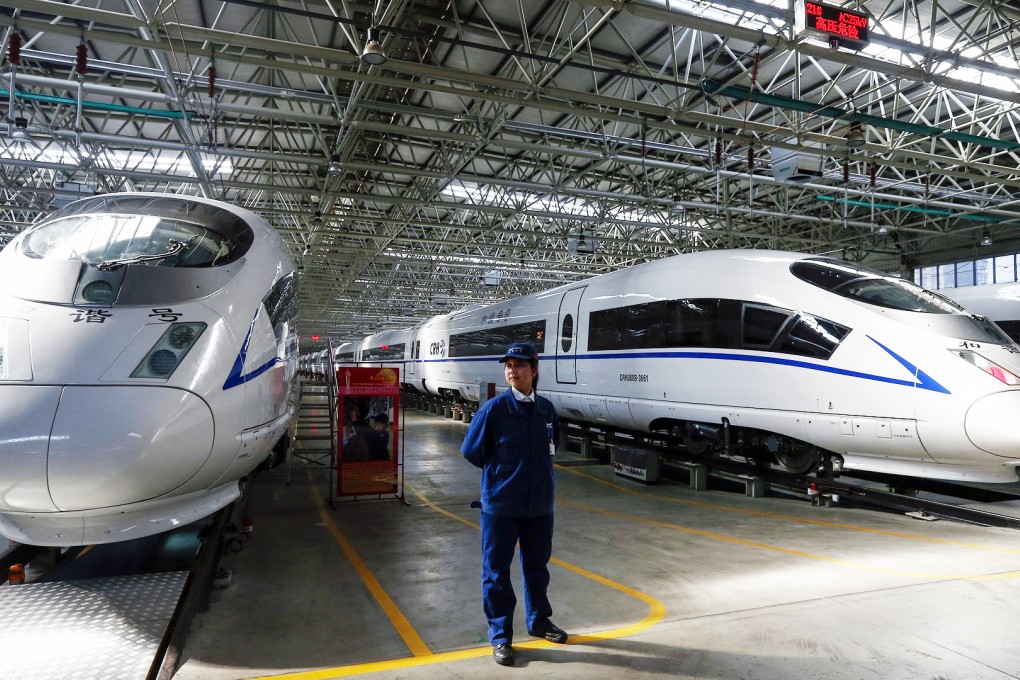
566, 336
413, 352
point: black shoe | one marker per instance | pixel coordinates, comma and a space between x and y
503, 654
552, 634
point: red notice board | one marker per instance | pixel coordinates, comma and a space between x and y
368, 419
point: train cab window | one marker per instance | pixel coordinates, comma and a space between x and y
116, 239
1011, 328
281, 302
864, 285
761, 325
567, 333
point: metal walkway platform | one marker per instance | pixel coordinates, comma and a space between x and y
94, 629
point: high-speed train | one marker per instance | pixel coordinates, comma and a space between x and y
999, 302
790, 356
147, 358
344, 353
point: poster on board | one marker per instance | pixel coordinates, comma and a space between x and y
368, 411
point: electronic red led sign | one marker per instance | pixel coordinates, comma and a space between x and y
834, 22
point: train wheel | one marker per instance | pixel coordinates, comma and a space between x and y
693, 440
798, 460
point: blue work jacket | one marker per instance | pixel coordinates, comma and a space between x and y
514, 452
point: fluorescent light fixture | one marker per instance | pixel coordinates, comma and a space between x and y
176, 164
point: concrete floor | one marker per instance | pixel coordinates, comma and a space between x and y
650, 581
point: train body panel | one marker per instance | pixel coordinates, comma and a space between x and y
159, 357
875, 373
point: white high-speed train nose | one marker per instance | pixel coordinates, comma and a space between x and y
98, 446
990, 423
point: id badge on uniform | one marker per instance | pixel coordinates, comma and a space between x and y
549, 434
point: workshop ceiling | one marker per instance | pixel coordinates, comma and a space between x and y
504, 147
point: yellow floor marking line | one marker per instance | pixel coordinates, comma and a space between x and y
788, 551
772, 515
400, 622
410, 662
656, 609
656, 612
791, 518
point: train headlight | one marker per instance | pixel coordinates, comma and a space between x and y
182, 335
989, 367
162, 362
169, 351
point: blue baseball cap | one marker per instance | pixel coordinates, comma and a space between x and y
519, 350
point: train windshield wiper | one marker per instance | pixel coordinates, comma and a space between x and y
175, 247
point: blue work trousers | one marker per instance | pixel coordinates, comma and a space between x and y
499, 537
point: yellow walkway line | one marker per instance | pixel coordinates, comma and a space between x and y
407, 632
656, 609
788, 551
656, 612
791, 518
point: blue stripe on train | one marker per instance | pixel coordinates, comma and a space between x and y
921, 379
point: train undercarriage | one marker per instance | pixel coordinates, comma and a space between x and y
789, 454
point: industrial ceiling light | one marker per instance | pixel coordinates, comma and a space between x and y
855, 138
373, 54
19, 132
986, 238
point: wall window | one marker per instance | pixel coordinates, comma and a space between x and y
965, 273
977, 272
947, 275
1004, 269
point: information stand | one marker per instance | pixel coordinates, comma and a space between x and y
369, 447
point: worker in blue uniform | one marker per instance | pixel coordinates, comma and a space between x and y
513, 439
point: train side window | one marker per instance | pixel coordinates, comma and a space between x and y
704, 322
383, 352
814, 337
761, 325
643, 326
694, 323
598, 330
567, 333
493, 341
